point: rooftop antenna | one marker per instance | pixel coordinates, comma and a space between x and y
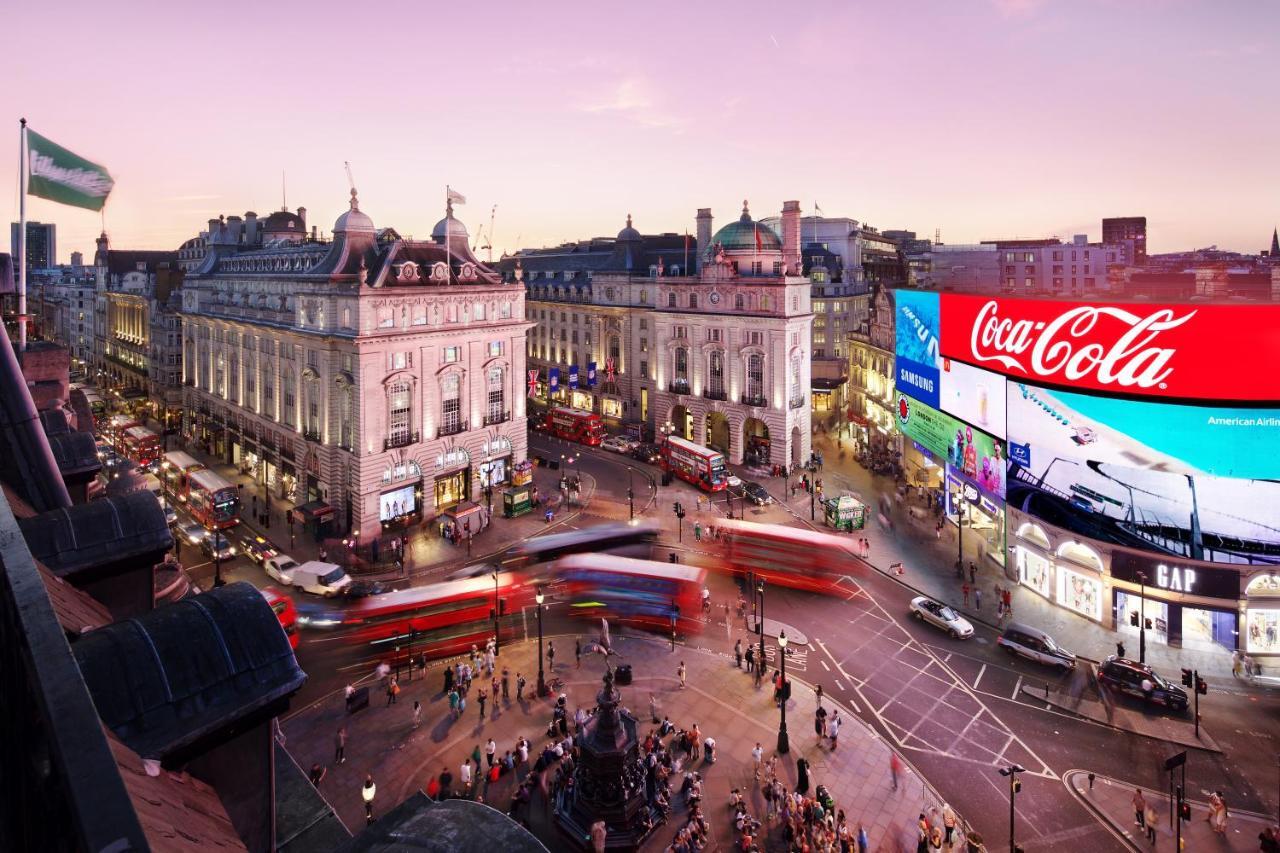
284, 192
492, 213
937, 235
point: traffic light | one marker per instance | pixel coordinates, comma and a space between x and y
1133, 618
1186, 677
1017, 786
1201, 687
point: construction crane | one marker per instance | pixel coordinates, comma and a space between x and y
488, 246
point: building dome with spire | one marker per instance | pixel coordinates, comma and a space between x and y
629, 233
450, 225
354, 220
740, 236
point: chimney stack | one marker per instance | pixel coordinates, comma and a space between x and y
791, 238
302, 214
704, 233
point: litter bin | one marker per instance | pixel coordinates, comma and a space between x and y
622, 675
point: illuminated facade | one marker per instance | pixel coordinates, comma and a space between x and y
871, 376
380, 377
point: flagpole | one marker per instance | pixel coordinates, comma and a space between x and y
448, 227
22, 235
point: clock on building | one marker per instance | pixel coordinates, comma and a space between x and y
715, 297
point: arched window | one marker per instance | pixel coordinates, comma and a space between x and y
755, 376
496, 396
450, 404
682, 364
399, 413
346, 410
797, 389
715, 373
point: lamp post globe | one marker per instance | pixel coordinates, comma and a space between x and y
542, 684
784, 744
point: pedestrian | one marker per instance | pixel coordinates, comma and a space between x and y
577, 652
520, 682
751, 658
820, 722
973, 573
551, 655
448, 679
417, 713
1139, 808
464, 774
1008, 603
757, 755
737, 653
340, 745
964, 588
833, 728
481, 697
697, 531
317, 775
393, 690
367, 793
680, 673
653, 708
948, 823
454, 697
977, 599
433, 788
864, 843
819, 692
490, 749
599, 836
1152, 820
802, 776
895, 767
1218, 813
1147, 690
999, 603
506, 684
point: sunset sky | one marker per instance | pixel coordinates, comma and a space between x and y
984, 119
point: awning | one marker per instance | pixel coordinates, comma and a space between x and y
313, 510
859, 420
827, 384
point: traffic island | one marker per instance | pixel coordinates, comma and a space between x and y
718, 697
1158, 723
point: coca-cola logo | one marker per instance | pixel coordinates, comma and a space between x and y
1078, 342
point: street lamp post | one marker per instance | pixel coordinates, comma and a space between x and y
784, 745
760, 623
1015, 786
631, 496
1142, 617
542, 684
497, 641
813, 491
217, 559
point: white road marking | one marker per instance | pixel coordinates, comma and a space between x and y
1016, 688
824, 665
839, 685
979, 678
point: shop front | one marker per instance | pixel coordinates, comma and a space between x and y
1181, 603
1262, 616
1057, 567
1033, 558
611, 407
581, 400
967, 505
453, 478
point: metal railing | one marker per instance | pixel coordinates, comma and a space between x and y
452, 429
499, 418
312, 435
679, 386
404, 440
715, 395
757, 400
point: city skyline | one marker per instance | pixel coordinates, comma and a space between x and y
1053, 118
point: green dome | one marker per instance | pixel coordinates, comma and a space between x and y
741, 235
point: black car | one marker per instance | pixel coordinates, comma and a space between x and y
646, 453
756, 493
364, 589
1126, 676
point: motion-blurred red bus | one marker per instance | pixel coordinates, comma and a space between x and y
637, 592
576, 425
699, 465
176, 468
786, 556
285, 612
142, 446
437, 620
214, 501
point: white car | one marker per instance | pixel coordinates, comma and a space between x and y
941, 616
734, 482
616, 444
279, 567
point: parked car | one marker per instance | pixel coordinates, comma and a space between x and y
1126, 676
193, 532
258, 549
170, 514
279, 567
646, 453
939, 615
734, 482
1034, 644
225, 548
616, 444
319, 578
364, 589
755, 493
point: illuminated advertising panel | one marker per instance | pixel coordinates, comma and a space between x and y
1189, 351
393, 504
973, 395
916, 356
971, 452
1184, 481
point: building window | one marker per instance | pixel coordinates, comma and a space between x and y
679, 331
797, 390
739, 302
713, 335
755, 375
495, 349
477, 313
450, 404
399, 413
671, 300
345, 410
693, 300
452, 354
644, 370
496, 396
290, 400
715, 372
682, 364
615, 350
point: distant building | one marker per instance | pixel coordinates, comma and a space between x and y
1119, 230
42, 244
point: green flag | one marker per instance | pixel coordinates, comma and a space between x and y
55, 173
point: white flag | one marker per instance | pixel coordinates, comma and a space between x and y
454, 196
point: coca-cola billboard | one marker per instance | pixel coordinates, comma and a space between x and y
1175, 350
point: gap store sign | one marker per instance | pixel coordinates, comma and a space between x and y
971, 452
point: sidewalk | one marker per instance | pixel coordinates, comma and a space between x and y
720, 699
426, 552
1159, 724
1112, 801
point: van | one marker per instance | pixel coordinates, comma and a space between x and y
317, 578
1034, 644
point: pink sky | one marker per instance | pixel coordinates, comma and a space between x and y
984, 119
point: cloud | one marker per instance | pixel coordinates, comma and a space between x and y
1017, 8
633, 99
192, 197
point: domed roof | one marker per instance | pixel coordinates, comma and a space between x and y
629, 233
284, 221
455, 228
354, 221
741, 235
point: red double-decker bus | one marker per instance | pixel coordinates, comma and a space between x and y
639, 592
176, 468
576, 425
213, 500
697, 464
142, 446
437, 620
786, 556
283, 607
115, 429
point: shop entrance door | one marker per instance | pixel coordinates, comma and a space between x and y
451, 489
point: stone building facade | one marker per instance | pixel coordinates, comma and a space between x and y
373, 377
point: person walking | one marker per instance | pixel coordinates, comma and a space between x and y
577, 652
802, 776
520, 682
977, 599
340, 745
1153, 820
751, 659
820, 722
417, 713
393, 690
895, 768
653, 709
506, 684
317, 775
973, 573
1139, 808
964, 588
481, 697
833, 728
490, 749
737, 653
551, 656
367, 793
757, 756
464, 774
680, 673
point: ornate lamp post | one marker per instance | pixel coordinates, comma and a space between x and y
784, 745
497, 638
542, 684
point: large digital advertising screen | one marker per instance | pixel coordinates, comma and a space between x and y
1175, 351
971, 452
973, 395
916, 353
393, 504
1181, 480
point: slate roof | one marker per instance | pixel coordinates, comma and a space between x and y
90, 539
451, 826
169, 678
601, 255
121, 261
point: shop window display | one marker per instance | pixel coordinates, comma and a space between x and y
1033, 571
1262, 631
1080, 593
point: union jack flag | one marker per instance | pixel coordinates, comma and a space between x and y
533, 383
608, 370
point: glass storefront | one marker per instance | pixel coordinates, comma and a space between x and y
611, 407
1080, 592
451, 489
1262, 631
1208, 630
580, 400
494, 472
1033, 571
1130, 607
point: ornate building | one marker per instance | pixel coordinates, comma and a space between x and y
379, 376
